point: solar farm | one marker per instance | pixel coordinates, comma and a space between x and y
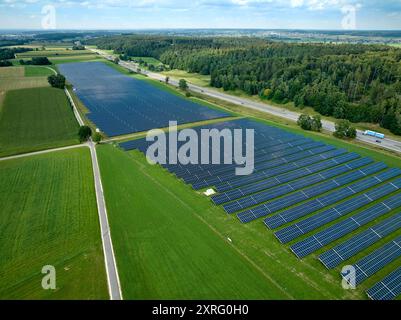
121, 105
317, 199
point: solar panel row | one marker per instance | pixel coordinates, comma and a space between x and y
325, 152
291, 176
281, 190
387, 289
336, 231
294, 231
264, 174
262, 154
261, 160
297, 197
377, 260
361, 241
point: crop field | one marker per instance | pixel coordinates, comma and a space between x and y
36, 119
120, 104
304, 192
49, 217
12, 78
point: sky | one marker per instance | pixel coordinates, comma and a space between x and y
162, 14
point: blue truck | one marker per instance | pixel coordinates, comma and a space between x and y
374, 134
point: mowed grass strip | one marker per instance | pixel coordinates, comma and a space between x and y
165, 248
49, 217
36, 119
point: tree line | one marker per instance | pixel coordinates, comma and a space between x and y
356, 82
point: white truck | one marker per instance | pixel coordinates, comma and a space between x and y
374, 134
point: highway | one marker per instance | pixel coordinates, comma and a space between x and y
386, 143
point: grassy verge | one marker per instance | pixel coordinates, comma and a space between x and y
36, 119
49, 217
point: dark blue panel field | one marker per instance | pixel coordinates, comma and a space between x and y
120, 104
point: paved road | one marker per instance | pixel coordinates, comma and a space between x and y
40, 152
113, 280
389, 144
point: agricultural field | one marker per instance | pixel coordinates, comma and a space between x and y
36, 119
49, 217
12, 78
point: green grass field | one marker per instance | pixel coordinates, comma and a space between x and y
175, 241
35, 119
49, 217
195, 78
38, 71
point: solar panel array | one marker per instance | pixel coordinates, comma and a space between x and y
119, 104
387, 289
377, 260
300, 186
296, 230
342, 252
336, 231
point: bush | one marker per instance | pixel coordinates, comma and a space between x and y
97, 137
40, 61
344, 130
57, 81
310, 124
183, 84
84, 133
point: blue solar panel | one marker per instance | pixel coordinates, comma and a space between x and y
377, 260
290, 233
387, 289
287, 201
296, 174
321, 239
358, 243
119, 104
263, 174
325, 153
275, 192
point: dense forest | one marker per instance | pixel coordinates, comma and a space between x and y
360, 83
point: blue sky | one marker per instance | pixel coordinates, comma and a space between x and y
144, 14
